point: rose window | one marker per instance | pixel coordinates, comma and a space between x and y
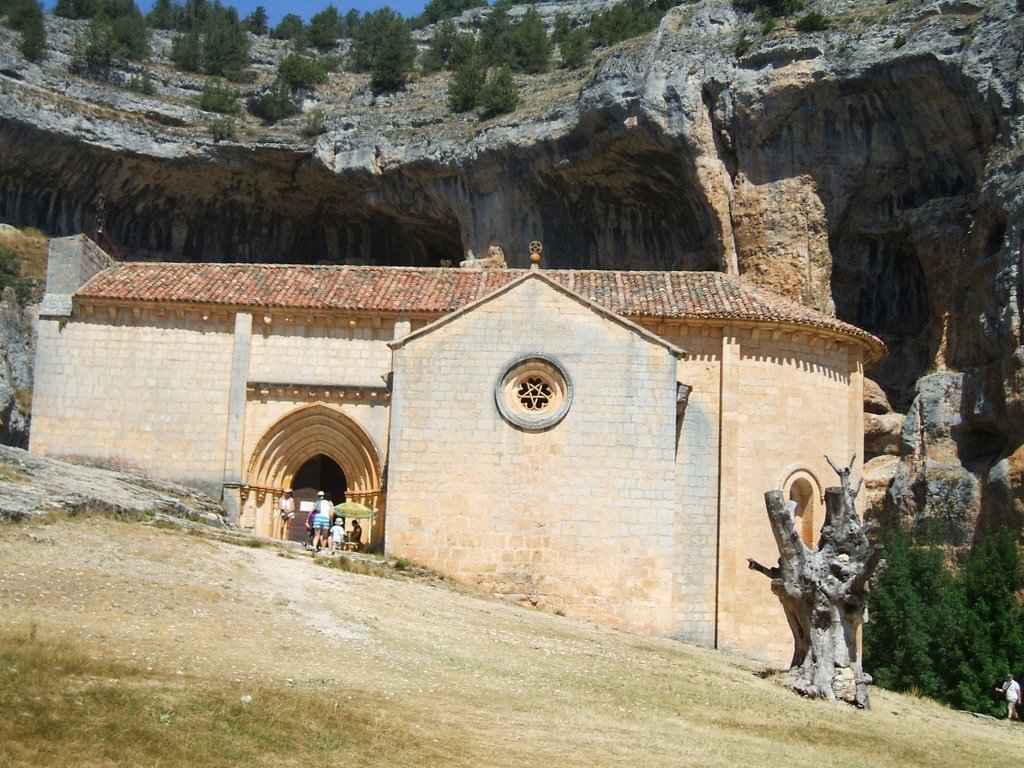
534, 393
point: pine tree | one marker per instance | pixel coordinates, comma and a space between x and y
575, 48
394, 60
496, 37
225, 49
289, 28
530, 44
26, 18
499, 94
325, 28
466, 83
161, 15
257, 21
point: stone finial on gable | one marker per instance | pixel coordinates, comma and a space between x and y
536, 247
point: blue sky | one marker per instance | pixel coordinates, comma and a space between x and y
304, 8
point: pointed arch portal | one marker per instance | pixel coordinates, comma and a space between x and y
319, 433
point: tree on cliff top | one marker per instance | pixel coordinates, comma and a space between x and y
26, 18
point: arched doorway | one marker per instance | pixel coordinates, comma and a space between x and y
317, 447
320, 473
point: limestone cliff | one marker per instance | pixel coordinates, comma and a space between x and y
873, 169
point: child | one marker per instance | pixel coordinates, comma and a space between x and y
337, 533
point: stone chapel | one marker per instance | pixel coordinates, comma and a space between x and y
593, 442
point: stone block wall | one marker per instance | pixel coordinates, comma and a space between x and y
579, 517
148, 392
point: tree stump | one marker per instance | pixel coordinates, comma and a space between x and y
824, 592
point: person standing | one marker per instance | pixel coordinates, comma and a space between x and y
286, 513
1011, 689
322, 521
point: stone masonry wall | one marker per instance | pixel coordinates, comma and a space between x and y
788, 402
577, 518
148, 392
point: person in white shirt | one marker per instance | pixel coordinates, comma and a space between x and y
337, 534
286, 513
1011, 688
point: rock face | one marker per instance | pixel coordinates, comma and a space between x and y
874, 169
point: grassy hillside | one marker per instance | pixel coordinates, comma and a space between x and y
134, 644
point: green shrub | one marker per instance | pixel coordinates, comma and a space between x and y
289, 28
325, 28
141, 83
219, 98
499, 94
225, 49
382, 44
900, 41
465, 85
314, 124
26, 18
575, 48
187, 50
530, 44
626, 20
256, 22
812, 21
274, 104
300, 71
437, 10
743, 45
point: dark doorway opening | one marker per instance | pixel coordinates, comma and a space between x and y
321, 473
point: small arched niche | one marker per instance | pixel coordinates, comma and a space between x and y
802, 488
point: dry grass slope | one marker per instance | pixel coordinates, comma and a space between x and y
127, 644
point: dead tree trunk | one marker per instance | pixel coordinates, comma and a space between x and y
823, 592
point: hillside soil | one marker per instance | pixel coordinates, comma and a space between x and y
168, 617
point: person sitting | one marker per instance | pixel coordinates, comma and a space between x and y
356, 535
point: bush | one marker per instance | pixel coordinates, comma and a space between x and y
314, 124
499, 94
222, 129
187, 51
437, 10
743, 45
26, 18
225, 48
575, 48
382, 44
325, 28
465, 86
141, 83
300, 71
812, 21
219, 98
289, 28
257, 21
274, 104
900, 41
625, 20
496, 37
530, 43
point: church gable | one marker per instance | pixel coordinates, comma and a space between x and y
521, 428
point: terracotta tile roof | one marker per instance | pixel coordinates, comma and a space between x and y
710, 295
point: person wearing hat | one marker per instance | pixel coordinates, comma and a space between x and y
322, 520
286, 513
